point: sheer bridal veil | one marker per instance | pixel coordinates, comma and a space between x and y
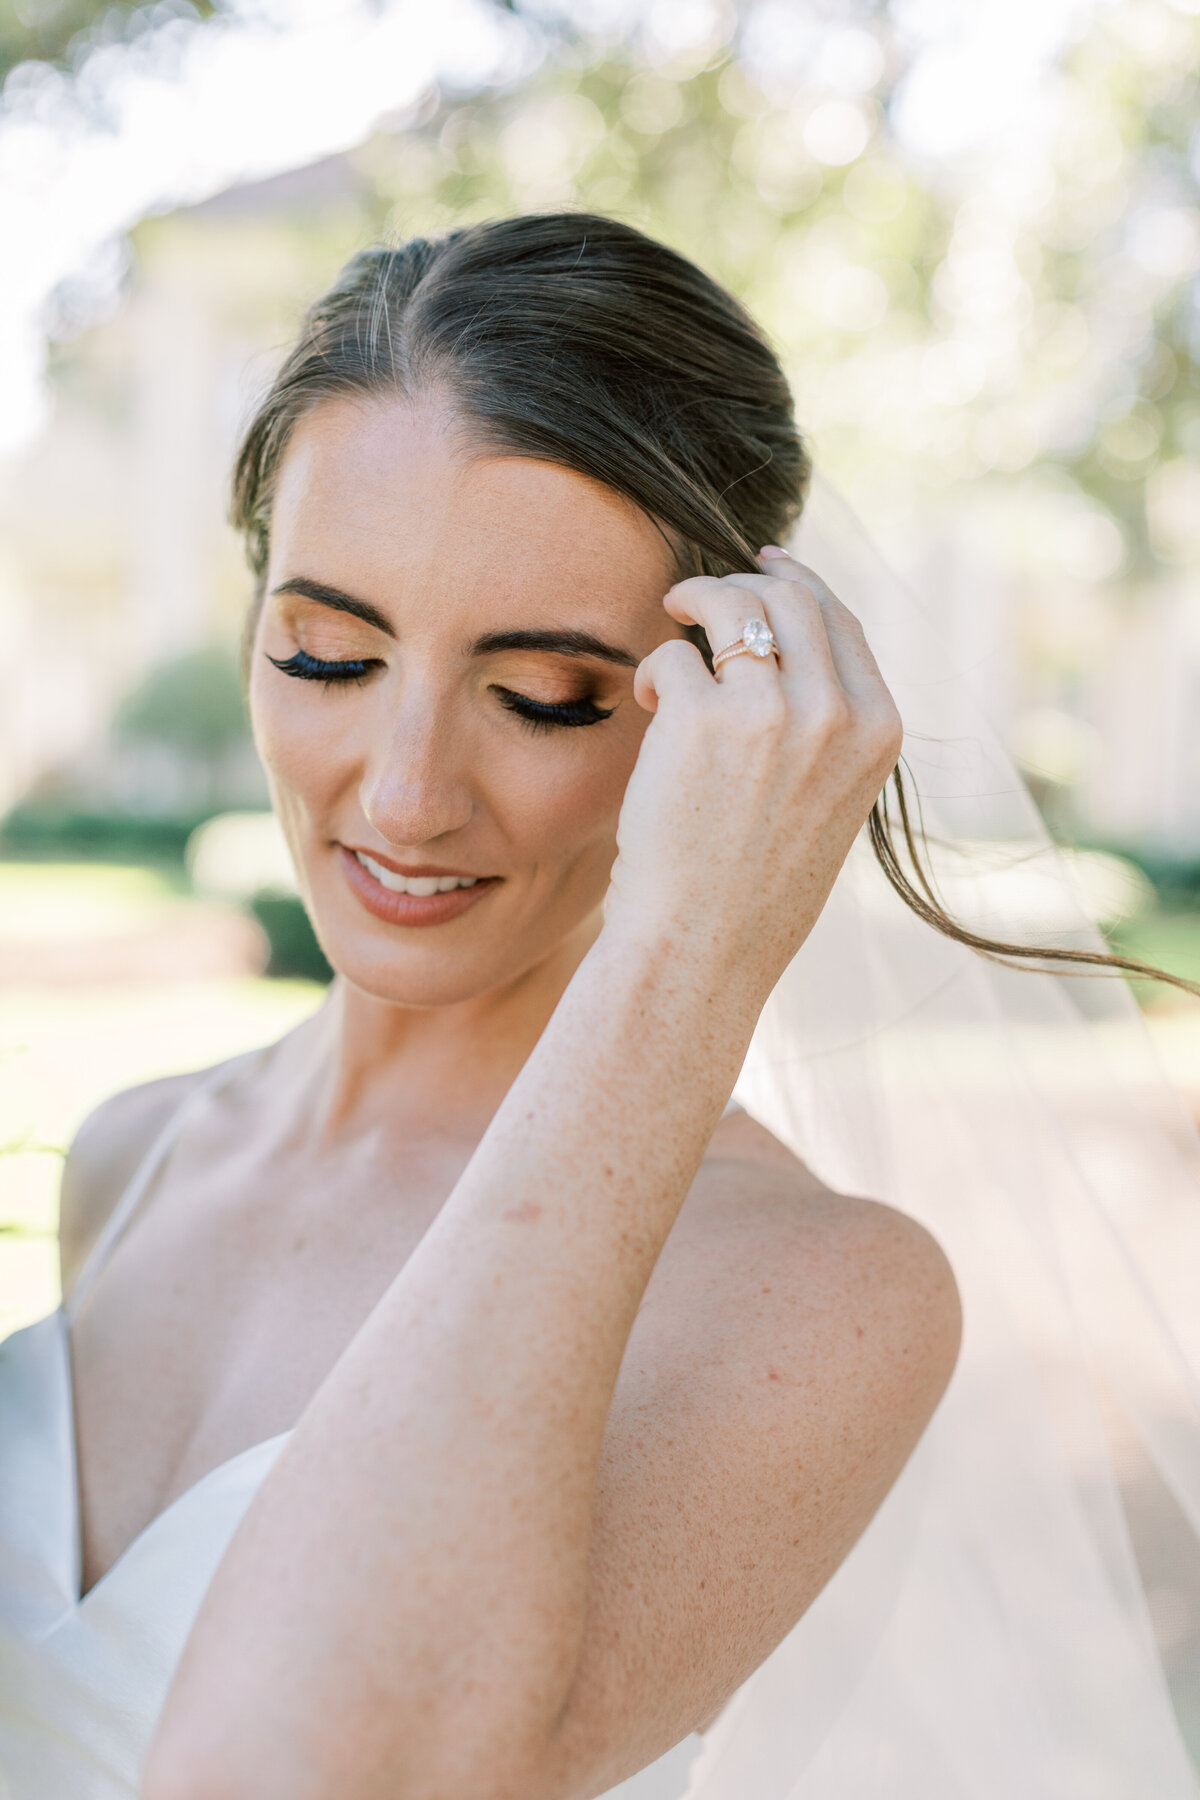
990, 1636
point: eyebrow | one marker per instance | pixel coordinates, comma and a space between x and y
335, 599
557, 643
493, 643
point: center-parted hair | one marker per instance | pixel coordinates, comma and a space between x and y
579, 340
568, 337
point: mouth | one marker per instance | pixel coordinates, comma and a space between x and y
411, 896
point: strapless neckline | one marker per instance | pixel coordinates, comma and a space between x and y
42, 1353
188, 1496
83, 1677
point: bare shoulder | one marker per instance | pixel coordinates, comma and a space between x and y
759, 1181
772, 1243
791, 1347
104, 1157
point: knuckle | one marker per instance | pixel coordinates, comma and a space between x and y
885, 732
827, 717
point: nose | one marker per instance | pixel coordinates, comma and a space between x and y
415, 788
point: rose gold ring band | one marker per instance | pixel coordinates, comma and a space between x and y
757, 639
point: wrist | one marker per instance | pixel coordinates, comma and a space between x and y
689, 965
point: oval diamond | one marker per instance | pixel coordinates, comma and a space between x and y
756, 635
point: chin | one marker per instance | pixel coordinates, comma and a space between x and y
424, 980
437, 966
446, 949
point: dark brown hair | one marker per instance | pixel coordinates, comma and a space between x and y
579, 340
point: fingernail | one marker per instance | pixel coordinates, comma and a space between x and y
772, 550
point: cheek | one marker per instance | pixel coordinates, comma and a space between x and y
561, 796
303, 745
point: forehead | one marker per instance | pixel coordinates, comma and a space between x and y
393, 502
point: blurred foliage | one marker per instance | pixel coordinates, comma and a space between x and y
995, 317
830, 250
1167, 939
1107, 248
295, 953
192, 703
64, 31
1030, 308
42, 832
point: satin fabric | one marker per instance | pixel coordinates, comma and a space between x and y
82, 1681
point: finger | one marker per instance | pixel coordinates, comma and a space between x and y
722, 609
856, 666
676, 667
796, 619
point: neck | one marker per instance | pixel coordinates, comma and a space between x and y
366, 1061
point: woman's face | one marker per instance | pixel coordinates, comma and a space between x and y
442, 693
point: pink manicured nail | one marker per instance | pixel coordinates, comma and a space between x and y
772, 550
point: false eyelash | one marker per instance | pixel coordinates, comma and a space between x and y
538, 715
313, 668
542, 715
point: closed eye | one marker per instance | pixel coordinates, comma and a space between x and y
314, 668
538, 715
547, 715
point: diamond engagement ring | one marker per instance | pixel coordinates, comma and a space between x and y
757, 639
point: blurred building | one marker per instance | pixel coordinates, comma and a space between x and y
118, 561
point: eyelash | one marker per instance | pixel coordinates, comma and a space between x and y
537, 715
312, 668
543, 715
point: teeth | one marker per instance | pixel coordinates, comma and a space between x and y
420, 886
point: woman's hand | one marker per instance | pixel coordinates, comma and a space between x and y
751, 785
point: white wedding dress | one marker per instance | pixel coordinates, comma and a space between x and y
83, 1679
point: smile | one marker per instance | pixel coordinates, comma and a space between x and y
398, 899
421, 885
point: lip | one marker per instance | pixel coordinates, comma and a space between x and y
410, 909
407, 868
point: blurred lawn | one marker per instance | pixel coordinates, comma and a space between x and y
41, 902
1169, 938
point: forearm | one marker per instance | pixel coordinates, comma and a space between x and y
404, 1605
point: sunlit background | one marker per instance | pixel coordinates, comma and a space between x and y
973, 232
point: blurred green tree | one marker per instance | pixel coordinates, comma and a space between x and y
1119, 237
61, 31
192, 708
192, 703
804, 204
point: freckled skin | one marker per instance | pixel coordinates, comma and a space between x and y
476, 1232
528, 1213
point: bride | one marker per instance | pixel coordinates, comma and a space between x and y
452, 1399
